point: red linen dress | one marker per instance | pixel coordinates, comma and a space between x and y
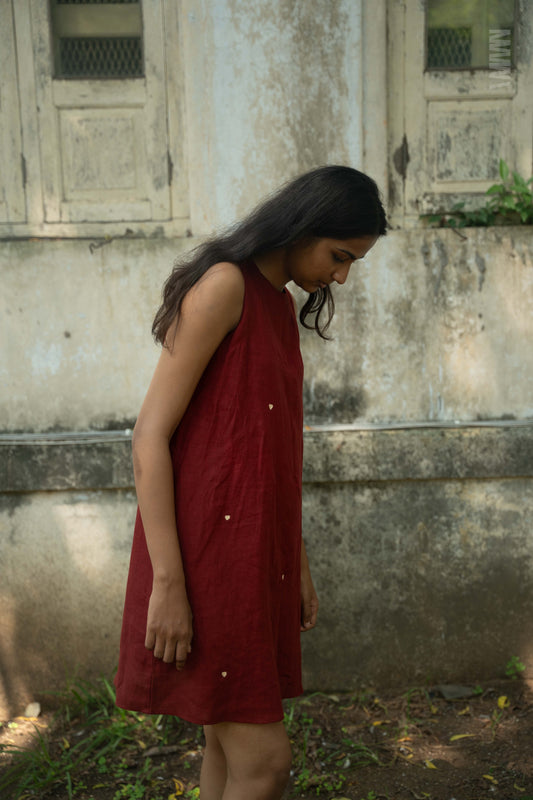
237, 459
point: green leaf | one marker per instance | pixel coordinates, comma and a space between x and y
519, 181
507, 202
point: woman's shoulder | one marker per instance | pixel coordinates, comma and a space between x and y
223, 276
219, 292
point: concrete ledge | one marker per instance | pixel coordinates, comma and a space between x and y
90, 461
58, 462
429, 453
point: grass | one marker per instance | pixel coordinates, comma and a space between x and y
319, 765
98, 737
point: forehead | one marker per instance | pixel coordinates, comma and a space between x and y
357, 247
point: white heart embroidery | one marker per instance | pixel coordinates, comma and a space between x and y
270, 406
228, 516
224, 674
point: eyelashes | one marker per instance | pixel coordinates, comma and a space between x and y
343, 260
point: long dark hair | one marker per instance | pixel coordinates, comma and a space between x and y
332, 202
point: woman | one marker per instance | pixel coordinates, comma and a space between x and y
219, 585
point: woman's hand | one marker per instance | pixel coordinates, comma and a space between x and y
169, 625
308, 595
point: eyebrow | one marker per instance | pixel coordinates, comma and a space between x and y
347, 253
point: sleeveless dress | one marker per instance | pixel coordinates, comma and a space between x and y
237, 460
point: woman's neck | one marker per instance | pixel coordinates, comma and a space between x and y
272, 267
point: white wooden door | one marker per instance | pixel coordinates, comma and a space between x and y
12, 165
103, 142
449, 128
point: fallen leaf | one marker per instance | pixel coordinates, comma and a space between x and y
464, 711
503, 702
490, 778
519, 788
179, 787
461, 736
66, 743
430, 764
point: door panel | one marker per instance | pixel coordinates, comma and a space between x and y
449, 128
12, 165
103, 142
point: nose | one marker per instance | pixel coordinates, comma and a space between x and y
341, 273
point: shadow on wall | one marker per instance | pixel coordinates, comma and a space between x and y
66, 556
429, 327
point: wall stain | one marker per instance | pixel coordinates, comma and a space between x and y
324, 405
401, 158
438, 264
482, 267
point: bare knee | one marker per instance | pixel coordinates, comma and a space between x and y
213, 747
258, 758
264, 780
276, 765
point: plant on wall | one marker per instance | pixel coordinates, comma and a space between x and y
510, 203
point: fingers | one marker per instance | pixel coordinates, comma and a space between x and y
182, 651
169, 626
168, 650
309, 614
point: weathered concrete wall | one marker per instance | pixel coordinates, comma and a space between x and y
420, 541
272, 89
429, 327
423, 554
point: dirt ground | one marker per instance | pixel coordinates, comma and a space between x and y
408, 745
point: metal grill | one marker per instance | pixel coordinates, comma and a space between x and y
449, 48
103, 57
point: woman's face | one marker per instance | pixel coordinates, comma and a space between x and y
315, 264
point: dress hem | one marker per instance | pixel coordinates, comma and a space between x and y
264, 719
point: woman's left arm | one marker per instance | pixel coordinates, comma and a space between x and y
308, 595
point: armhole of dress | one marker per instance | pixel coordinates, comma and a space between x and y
245, 301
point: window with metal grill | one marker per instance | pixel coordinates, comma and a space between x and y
97, 38
472, 34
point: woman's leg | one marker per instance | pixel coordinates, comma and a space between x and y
258, 760
214, 770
